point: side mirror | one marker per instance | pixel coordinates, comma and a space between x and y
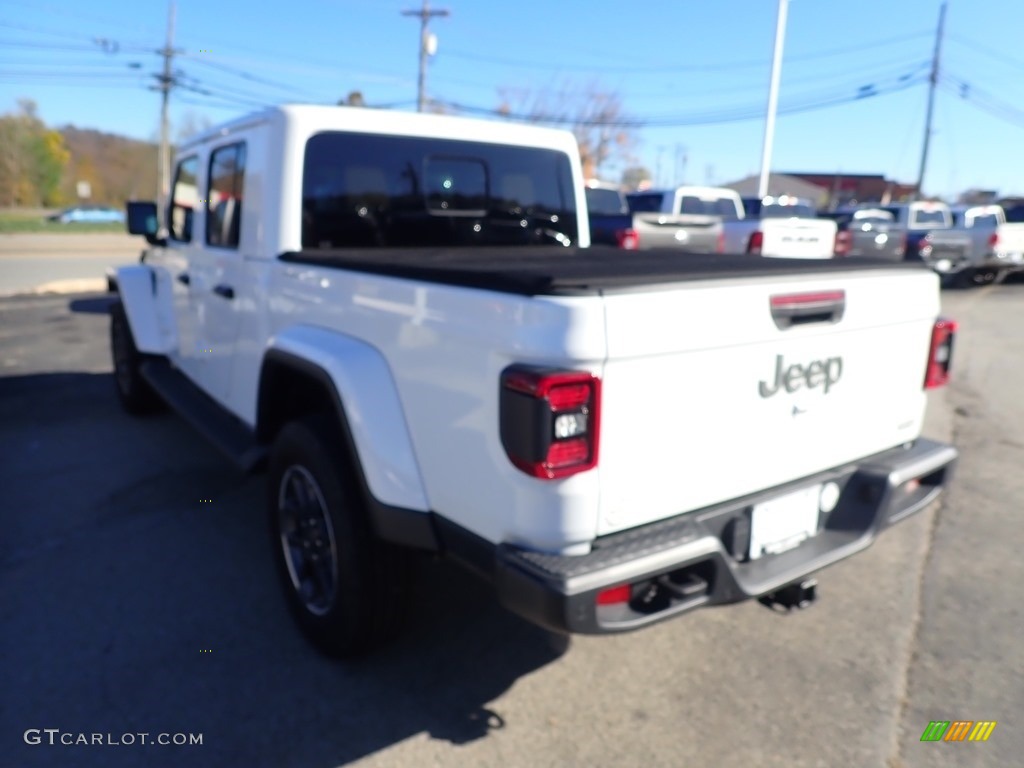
142, 221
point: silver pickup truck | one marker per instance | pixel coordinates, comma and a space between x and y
980, 247
685, 217
868, 232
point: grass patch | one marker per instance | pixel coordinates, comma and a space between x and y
22, 221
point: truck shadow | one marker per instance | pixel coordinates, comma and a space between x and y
139, 597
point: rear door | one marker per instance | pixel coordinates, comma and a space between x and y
708, 395
218, 268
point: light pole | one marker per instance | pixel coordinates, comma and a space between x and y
773, 98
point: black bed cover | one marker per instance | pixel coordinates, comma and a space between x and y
556, 270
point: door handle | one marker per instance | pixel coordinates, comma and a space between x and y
225, 291
184, 279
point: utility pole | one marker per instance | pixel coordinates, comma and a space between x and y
427, 42
933, 81
773, 98
166, 81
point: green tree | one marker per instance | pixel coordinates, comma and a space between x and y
635, 176
32, 159
50, 158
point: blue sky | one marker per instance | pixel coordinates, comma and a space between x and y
677, 64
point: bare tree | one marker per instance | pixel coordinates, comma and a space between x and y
593, 112
192, 123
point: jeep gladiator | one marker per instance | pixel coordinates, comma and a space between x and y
398, 318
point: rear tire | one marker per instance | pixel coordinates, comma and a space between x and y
134, 392
346, 588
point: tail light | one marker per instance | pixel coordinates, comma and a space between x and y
756, 243
901, 249
720, 242
940, 355
844, 240
549, 420
993, 241
924, 246
627, 238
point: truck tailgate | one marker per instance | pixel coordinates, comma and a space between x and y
798, 238
692, 232
1010, 242
695, 406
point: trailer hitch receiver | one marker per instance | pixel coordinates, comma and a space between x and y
798, 595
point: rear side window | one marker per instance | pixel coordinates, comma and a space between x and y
723, 207
937, 217
224, 199
373, 191
605, 202
1014, 213
184, 199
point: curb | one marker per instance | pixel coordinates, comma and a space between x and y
82, 285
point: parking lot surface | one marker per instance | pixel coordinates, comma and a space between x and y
130, 604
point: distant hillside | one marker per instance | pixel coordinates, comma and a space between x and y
117, 168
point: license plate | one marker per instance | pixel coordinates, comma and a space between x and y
783, 523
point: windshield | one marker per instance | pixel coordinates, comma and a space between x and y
378, 191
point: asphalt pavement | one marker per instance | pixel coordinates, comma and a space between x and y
130, 604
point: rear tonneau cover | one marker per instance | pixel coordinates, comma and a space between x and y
572, 271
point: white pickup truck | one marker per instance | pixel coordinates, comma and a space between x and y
397, 317
780, 227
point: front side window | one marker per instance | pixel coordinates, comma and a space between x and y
374, 191
224, 199
184, 199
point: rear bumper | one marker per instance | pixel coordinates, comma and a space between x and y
696, 550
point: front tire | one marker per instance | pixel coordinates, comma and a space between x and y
134, 392
345, 587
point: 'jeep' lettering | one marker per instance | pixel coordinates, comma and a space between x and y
791, 378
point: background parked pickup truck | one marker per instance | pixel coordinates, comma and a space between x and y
867, 232
979, 247
781, 226
918, 219
611, 223
686, 217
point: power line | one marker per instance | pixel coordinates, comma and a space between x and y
246, 75
987, 51
737, 114
661, 68
982, 100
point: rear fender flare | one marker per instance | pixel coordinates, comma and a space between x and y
369, 406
